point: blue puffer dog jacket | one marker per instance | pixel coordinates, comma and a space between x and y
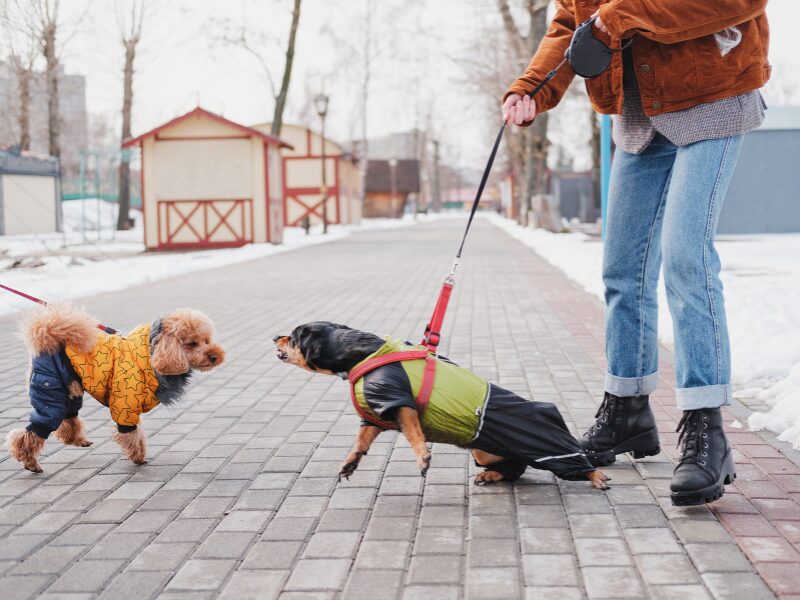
51, 376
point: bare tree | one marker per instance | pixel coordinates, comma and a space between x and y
47, 17
527, 148
255, 42
280, 98
23, 48
130, 33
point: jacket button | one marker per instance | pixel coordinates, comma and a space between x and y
656, 104
645, 68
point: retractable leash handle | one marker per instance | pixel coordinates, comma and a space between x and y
588, 57
100, 326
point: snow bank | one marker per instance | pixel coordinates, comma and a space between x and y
93, 214
761, 275
65, 277
784, 416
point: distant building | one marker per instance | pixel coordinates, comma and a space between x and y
390, 187
415, 144
302, 178
208, 182
764, 195
407, 145
573, 193
72, 108
29, 192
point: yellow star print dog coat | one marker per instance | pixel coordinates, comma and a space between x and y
117, 373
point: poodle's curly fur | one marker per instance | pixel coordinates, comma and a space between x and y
48, 329
72, 432
25, 446
184, 342
133, 444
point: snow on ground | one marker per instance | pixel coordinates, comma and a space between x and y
74, 269
761, 275
94, 215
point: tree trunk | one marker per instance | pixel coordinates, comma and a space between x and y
436, 199
24, 76
54, 117
124, 198
280, 101
367, 66
527, 148
538, 145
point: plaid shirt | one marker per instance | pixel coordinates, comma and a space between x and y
634, 130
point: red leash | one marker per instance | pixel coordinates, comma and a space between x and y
433, 332
101, 327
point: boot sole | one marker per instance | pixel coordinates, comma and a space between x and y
710, 493
640, 445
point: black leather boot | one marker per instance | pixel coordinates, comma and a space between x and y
706, 464
624, 424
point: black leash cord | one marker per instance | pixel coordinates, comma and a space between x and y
489, 164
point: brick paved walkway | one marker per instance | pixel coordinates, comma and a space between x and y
240, 500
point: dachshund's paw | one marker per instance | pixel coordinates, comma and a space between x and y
33, 467
350, 465
488, 477
84, 443
598, 480
424, 463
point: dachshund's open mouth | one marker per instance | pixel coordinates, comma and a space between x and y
282, 355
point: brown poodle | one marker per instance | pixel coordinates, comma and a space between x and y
130, 375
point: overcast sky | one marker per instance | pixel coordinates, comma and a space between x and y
421, 47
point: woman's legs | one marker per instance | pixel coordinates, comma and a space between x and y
701, 175
667, 201
631, 264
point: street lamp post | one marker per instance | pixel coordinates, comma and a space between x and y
393, 181
321, 103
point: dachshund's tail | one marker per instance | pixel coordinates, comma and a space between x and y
48, 329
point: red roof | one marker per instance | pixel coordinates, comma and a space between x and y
213, 116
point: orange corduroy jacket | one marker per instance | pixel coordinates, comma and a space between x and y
677, 60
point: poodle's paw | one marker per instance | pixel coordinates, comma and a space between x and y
72, 433
25, 446
133, 445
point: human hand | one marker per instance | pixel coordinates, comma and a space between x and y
519, 109
599, 22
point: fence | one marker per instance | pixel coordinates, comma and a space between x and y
89, 203
99, 176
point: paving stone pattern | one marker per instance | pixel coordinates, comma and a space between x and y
240, 500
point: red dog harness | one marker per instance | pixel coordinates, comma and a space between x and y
430, 341
373, 363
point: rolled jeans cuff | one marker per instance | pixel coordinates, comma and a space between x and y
708, 396
631, 386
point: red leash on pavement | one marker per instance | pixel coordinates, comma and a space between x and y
100, 326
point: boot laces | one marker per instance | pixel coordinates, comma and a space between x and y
692, 438
603, 413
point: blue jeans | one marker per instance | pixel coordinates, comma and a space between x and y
664, 206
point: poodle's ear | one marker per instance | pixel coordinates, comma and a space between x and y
168, 356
